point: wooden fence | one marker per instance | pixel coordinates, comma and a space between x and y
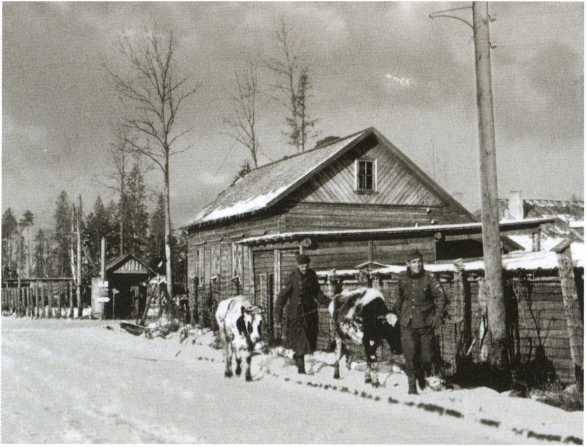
41, 299
537, 322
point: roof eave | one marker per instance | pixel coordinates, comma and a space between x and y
466, 228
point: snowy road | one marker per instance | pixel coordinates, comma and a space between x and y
68, 381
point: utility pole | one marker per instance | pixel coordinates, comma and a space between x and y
491, 240
491, 237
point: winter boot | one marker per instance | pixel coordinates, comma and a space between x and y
412, 385
421, 380
300, 362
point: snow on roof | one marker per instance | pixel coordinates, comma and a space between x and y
544, 260
526, 241
263, 186
474, 226
245, 206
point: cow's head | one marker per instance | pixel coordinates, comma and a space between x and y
250, 324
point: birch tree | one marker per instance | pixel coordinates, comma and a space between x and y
292, 87
155, 94
242, 123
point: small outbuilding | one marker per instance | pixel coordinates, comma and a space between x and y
126, 276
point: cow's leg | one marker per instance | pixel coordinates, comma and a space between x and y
238, 362
227, 356
371, 362
248, 375
373, 369
339, 351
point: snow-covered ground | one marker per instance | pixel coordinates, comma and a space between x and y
67, 381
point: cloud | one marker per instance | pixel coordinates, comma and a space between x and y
27, 134
398, 80
544, 97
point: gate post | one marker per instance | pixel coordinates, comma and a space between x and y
574, 323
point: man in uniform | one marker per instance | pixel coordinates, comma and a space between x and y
420, 307
301, 296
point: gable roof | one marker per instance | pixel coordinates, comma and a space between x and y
264, 186
119, 261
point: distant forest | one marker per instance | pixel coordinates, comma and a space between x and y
127, 226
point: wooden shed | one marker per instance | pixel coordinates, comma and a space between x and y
124, 275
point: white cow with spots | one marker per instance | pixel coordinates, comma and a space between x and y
361, 317
240, 326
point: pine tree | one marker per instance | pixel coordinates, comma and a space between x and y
41, 255
25, 224
63, 234
99, 223
9, 224
10, 241
136, 212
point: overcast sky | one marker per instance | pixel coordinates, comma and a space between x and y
385, 65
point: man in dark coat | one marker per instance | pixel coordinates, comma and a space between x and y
420, 307
300, 298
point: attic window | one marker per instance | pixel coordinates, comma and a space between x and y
365, 175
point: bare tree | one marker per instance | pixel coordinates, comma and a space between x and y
119, 153
155, 94
293, 85
242, 123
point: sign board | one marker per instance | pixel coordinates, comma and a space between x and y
103, 299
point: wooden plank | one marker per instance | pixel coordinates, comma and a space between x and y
70, 292
59, 300
29, 302
571, 303
276, 280
51, 300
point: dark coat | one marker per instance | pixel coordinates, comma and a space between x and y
421, 300
299, 299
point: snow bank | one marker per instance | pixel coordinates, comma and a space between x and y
479, 405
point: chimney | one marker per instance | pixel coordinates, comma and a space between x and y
515, 205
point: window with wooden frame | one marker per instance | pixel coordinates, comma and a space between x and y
365, 175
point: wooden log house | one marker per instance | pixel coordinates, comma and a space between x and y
354, 200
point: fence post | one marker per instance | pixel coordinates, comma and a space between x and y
70, 292
31, 307
26, 302
51, 300
59, 300
35, 300
44, 296
20, 301
572, 309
